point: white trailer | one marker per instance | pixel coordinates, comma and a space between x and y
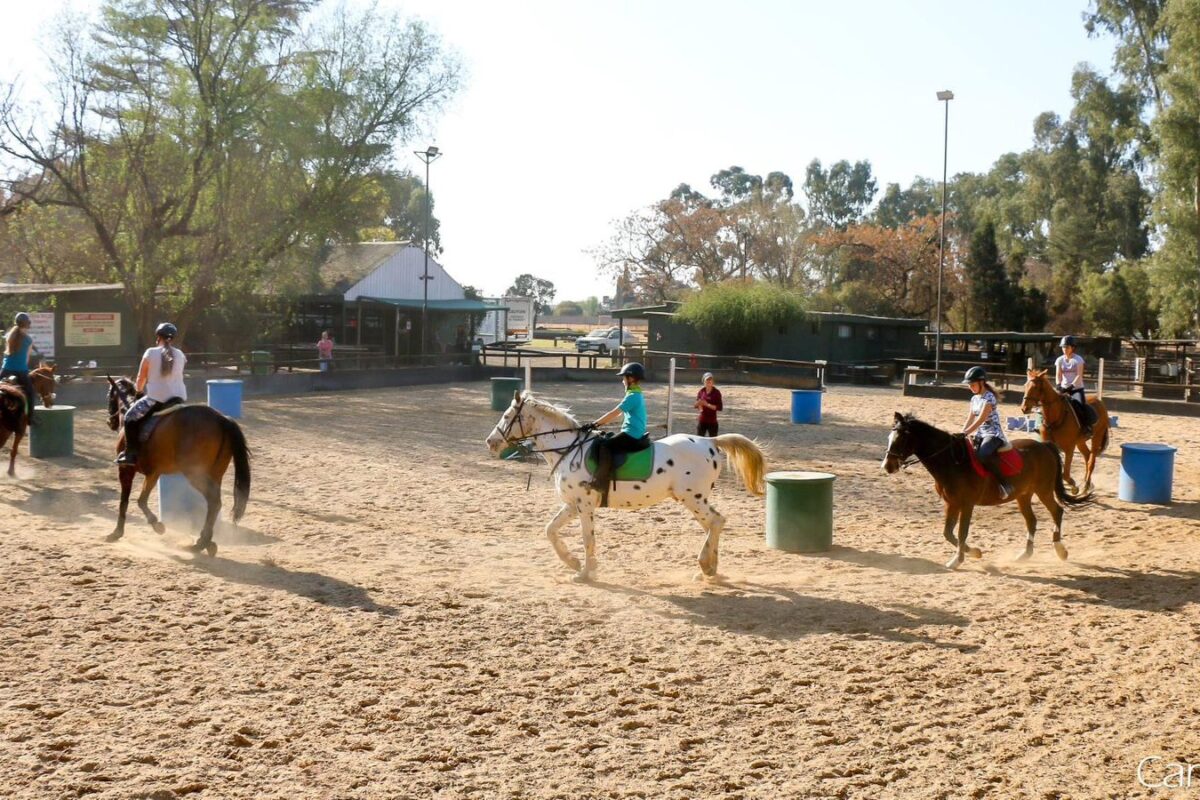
512, 324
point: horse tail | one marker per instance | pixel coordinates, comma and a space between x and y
746, 458
1060, 489
241, 466
1104, 441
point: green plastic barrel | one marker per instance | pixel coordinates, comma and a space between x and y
502, 392
260, 362
800, 511
53, 432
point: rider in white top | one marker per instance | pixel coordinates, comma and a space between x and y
160, 377
1068, 376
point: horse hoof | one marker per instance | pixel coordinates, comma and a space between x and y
975, 552
158, 527
211, 549
581, 577
196, 548
1024, 555
114, 536
1062, 551
953, 563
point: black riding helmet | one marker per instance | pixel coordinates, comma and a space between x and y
166, 330
635, 369
975, 374
1067, 341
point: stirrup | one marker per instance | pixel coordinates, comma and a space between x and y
127, 459
1006, 489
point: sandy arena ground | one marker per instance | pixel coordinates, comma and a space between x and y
390, 622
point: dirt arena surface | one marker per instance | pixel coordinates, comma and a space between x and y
390, 622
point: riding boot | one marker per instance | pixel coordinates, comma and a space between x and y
129, 456
600, 480
992, 465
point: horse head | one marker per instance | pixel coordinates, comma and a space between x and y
901, 444
1037, 389
524, 419
44, 380
121, 394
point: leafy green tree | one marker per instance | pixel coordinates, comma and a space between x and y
840, 195
735, 315
214, 146
568, 308
527, 285
991, 294
898, 206
405, 209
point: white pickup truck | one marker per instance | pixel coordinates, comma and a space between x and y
604, 340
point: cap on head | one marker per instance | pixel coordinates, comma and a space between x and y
22, 319
708, 376
633, 369
166, 330
975, 374
1067, 341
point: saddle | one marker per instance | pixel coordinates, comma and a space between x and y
1010, 461
635, 466
151, 422
1085, 414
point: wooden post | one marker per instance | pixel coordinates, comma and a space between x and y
1100, 381
1029, 364
528, 375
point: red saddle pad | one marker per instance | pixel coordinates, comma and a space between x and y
1010, 462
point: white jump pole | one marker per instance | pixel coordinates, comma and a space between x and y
1100, 381
670, 397
528, 376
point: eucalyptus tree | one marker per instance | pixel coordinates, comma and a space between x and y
207, 144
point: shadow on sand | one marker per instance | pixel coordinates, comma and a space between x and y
778, 613
323, 589
1160, 590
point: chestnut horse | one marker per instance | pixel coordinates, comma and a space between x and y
13, 409
1060, 424
194, 440
961, 488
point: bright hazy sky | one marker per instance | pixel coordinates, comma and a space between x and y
575, 113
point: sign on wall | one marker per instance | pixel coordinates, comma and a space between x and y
97, 329
42, 332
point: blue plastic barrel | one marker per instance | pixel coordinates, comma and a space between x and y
225, 395
806, 406
1147, 471
180, 505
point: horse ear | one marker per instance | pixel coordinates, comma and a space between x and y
111, 381
516, 395
1042, 373
898, 418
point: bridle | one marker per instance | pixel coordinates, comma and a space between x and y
116, 392
914, 457
581, 436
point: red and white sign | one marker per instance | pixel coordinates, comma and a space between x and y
96, 329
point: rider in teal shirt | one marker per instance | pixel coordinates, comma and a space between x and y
17, 344
633, 436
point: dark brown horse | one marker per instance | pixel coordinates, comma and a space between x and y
194, 440
1060, 424
14, 419
961, 488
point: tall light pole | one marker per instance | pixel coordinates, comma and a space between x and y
945, 95
427, 155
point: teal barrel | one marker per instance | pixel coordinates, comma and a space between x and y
225, 395
53, 432
806, 406
260, 362
502, 392
800, 511
1147, 473
179, 504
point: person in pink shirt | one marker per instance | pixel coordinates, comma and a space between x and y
325, 351
708, 401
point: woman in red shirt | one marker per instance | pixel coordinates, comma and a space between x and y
708, 400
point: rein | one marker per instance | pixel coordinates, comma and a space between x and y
581, 437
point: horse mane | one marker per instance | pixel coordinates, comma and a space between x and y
919, 426
560, 415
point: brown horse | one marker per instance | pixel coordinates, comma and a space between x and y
961, 488
1060, 424
194, 440
14, 420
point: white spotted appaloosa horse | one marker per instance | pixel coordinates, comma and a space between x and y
685, 469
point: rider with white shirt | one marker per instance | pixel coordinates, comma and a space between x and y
1068, 376
160, 377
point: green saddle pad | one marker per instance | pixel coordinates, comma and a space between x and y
636, 467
